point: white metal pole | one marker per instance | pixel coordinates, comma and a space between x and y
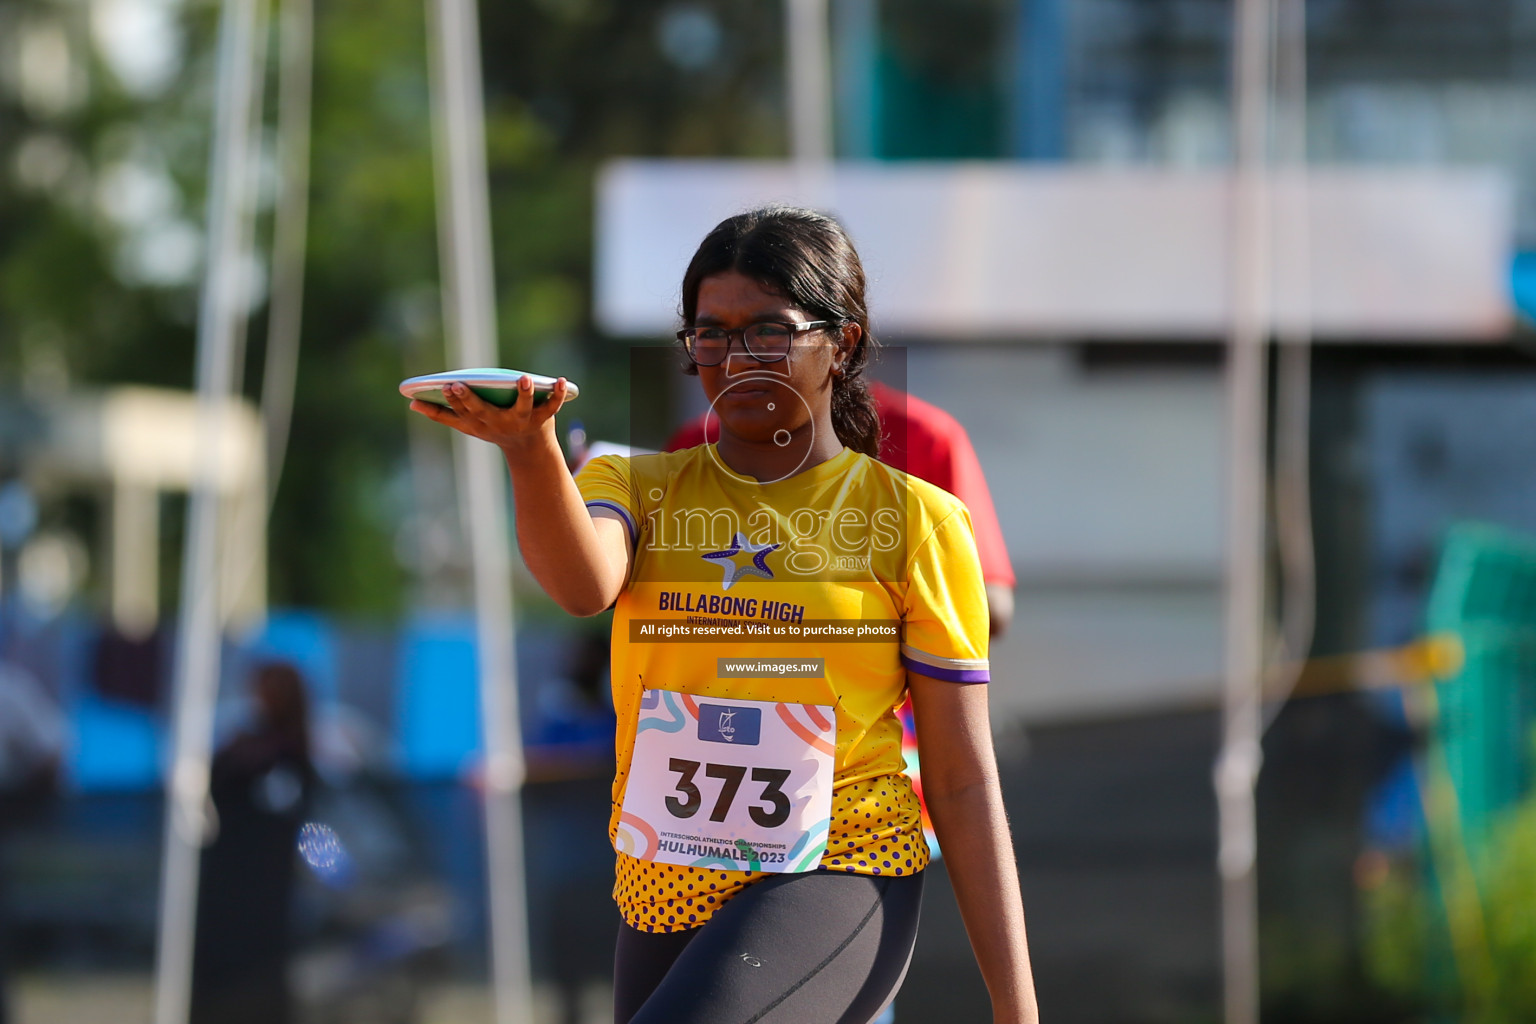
1237, 766
808, 80
285, 308
1293, 367
470, 317
290, 233
244, 191
198, 636
808, 68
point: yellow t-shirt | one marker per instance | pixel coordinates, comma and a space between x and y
846, 542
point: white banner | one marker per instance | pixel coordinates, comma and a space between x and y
999, 251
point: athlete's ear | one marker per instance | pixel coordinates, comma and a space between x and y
847, 341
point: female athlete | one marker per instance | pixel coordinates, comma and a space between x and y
776, 595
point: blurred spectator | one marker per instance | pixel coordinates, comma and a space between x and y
261, 783
32, 734
918, 437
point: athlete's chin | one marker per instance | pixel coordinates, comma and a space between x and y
759, 426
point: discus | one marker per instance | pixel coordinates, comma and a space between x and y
495, 385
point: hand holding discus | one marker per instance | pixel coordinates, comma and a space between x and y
580, 561
509, 409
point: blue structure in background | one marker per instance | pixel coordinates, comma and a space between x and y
305, 639
117, 746
893, 103
418, 687
437, 696
856, 37
1522, 285
1039, 109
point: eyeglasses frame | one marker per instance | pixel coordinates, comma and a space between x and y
735, 333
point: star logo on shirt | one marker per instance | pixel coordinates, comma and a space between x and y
733, 569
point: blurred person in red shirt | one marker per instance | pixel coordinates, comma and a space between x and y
918, 437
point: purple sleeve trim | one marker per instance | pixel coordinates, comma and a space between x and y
949, 675
629, 520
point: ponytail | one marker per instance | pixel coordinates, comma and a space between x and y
854, 415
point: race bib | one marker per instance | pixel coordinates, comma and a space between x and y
739, 784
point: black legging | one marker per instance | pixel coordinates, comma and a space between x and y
816, 948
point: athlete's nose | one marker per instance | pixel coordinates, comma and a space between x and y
739, 363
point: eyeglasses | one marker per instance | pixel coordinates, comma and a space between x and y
767, 342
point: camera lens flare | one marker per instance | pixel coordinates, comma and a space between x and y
323, 851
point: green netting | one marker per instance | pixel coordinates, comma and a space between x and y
1486, 718
1486, 575
1485, 593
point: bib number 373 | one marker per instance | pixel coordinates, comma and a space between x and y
739, 784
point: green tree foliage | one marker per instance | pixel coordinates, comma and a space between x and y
570, 83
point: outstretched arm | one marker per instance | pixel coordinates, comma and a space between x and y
960, 783
581, 562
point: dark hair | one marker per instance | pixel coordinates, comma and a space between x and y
809, 259
284, 704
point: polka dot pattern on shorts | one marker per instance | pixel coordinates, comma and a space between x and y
876, 830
